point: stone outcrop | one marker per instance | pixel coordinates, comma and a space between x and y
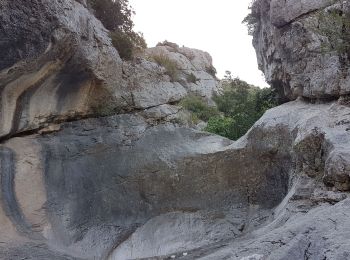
308, 223
296, 55
57, 64
195, 68
120, 188
108, 177
94, 163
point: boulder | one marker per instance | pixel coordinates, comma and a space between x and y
195, 68
150, 86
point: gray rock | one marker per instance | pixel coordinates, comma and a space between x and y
118, 173
295, 55
56, 63
308, 223
68, 69
162, 112
139, 184
150, 86
110, 183
285, 12
196, 71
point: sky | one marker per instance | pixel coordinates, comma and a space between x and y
214, 26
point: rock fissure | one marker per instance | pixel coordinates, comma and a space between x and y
8, 197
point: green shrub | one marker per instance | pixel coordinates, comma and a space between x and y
211, 70
171, 66
127, 44
191, 78
115, 15
123, 44
194, 119
266, 99
237, 97
220, 126
335, 26
199, 108
252, 20
241, 105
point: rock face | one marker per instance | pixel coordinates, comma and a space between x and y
94, 163
119, 188
195, 68
57, 64
298, 57
107, 177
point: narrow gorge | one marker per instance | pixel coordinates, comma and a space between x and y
98, 160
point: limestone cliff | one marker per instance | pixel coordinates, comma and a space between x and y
95, 165
57, 64
297, 57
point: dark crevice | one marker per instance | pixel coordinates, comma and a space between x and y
8, 195
306, 252
323, 99
56, 120
303, 15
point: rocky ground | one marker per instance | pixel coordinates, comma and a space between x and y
97, 160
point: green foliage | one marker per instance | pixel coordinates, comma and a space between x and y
127, 44
228, 76
335, 26
123, 44
211, 70
266, 99
241, 105
115, 15
221, 126
192, 78
251, 20
236, 98
171, 66
199, 108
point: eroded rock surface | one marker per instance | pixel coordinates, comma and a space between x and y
94, 163
195, 68
296, 55
121, 188
58, 64
104, 178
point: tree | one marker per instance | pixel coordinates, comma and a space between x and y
228, 75
252, 19
335, 25
116, 16
241, 106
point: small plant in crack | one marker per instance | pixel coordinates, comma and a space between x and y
192, 78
